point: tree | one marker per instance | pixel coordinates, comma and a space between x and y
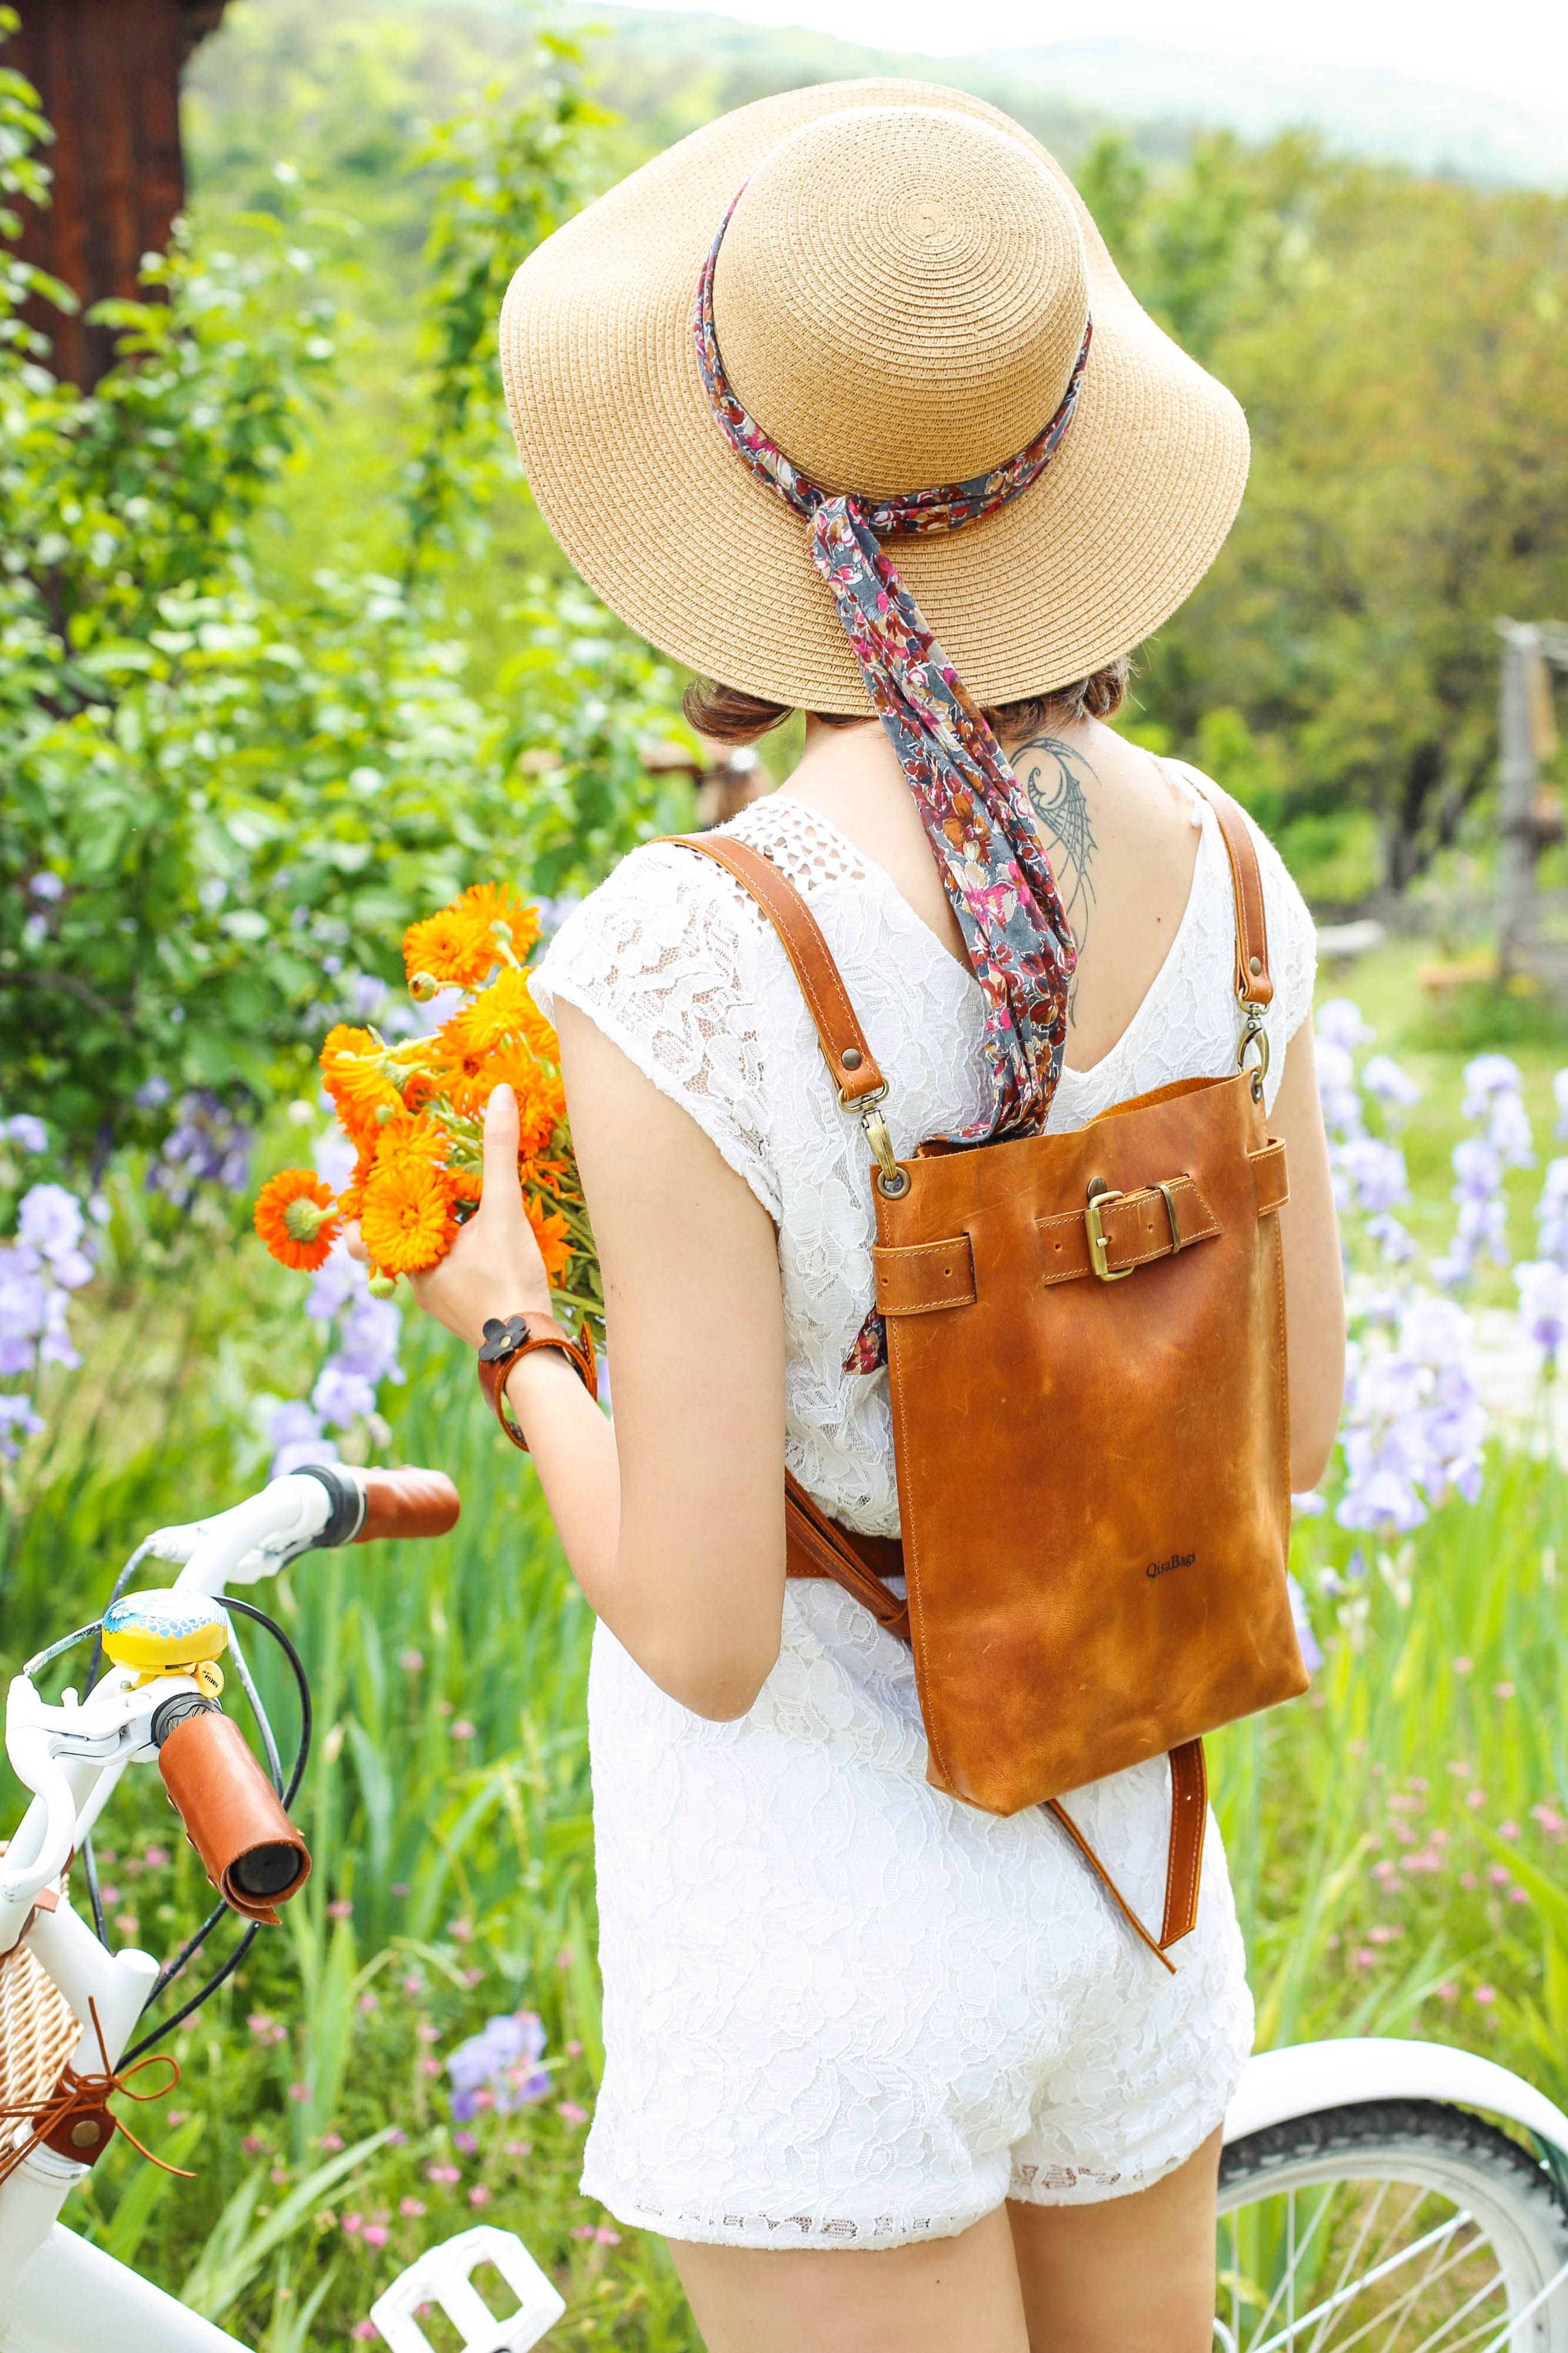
1399, 345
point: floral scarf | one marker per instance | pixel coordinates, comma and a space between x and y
975, 814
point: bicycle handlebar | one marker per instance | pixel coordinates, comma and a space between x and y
324, 1503
408, 1503
249, 1849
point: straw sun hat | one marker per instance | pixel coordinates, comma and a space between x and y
899, 299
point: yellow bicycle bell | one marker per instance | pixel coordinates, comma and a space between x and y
167, 1633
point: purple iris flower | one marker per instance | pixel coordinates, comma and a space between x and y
1387, 1083
296, 1434
340, 1397
29, 1132
17, 1421
1543, 1305
1488, 1076
1340, 1023
49, 1220
507, 2060
209, 1145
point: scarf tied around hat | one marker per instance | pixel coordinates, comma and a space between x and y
977, 816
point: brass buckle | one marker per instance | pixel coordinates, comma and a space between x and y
1098, 1193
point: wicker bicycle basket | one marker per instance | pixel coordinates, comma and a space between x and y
38, 2031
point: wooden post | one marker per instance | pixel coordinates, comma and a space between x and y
108, 76
1517, 846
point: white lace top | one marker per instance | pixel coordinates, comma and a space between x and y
672, 960
840, 2008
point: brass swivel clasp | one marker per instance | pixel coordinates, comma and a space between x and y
1253, 1034
893, 1181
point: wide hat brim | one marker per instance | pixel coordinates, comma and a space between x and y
665, 521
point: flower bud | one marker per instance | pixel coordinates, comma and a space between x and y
303, 1220
382, 1286
423, 986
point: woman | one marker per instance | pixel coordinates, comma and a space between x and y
887, 2071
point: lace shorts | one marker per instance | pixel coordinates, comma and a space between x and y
842, 2010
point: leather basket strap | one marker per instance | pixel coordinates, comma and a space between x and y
850, 1063
1254, 982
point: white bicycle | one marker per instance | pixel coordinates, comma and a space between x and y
1396, 2196
70, 2006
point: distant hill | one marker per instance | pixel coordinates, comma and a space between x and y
345, 87
1435, 126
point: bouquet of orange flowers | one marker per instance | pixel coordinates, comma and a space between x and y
414, 1113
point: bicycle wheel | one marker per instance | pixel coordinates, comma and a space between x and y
1402, 2226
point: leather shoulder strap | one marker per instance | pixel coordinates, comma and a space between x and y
849, 1061
1254, 983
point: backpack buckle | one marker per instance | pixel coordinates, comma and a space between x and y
1100, 1192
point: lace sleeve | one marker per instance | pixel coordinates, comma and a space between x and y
660, 958
1293, 945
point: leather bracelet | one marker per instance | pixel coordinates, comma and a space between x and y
502, 1345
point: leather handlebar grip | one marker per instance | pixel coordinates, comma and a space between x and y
249, 1849
410, 1502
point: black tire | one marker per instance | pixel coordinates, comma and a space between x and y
1475, 2235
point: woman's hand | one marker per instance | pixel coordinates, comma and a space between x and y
494, 1267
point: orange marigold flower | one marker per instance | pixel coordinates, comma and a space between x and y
498, 902
407, 1222
296, 1219
456, 947
417, 1138
550, 1233
503, 1011
353, 1071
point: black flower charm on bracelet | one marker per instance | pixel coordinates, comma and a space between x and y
503, 1339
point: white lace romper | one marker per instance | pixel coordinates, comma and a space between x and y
842, 2008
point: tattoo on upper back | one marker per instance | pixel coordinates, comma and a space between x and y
1052, 774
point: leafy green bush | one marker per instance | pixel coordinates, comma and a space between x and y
220, 807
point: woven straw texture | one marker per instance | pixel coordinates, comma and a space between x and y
898, 299
38, 2031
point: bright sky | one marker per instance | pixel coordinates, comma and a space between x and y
1519, 47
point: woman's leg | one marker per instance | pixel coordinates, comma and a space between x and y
1126, 2275
945, 2295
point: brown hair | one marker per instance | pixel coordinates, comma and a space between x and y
732, 716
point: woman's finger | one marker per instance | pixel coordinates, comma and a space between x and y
353, 1242
502, 1195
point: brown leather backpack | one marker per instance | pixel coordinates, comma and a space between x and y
1086, 1353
